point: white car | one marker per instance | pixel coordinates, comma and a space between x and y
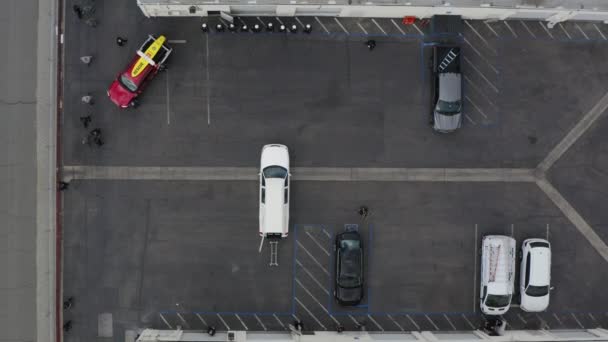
274, 191
535, 277
497, 274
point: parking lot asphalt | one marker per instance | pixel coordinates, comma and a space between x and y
164, 254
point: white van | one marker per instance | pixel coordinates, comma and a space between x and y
274, 191
497, 274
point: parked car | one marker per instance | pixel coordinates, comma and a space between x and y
150, 58
535, 276
348, 280
274, 191
497, 274
446, 106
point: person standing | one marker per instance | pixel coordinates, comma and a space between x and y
78, 11
120, 41
371, 44
86, 120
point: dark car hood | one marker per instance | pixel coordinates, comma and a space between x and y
349, 296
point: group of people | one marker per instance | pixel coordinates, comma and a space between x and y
269, 27
94, 135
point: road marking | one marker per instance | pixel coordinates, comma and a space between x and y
374, 321
485, 97
480, 37
449, 321
295, 317
168, 98
202, 320
394, 321
491, 29
475, 272
380, 27
353, 319
342, 26
563, 29
543, 324
413, 322
279, 20
299, 22
398, 27
417, 29
577, 321
223, 322
558, 320
527, 29
546, 29
313, 258
313, 297
431, 321
323, 26
260, 322
166, 322
177, 41
280, 322
326, 233
242, 323
481, 74
182, 318
547, 232
468, 322
208, 80
317, 243
475, 106
579, 129
312, 277
260, 20
592, 317
581, 30
510, 29
521, 318
512, 229
481, 56
469, 118
310, 313
599, 31
362, 28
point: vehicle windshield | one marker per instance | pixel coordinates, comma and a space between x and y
350, 264
494, 301
275, 172
128, 83
448, 108
537, 291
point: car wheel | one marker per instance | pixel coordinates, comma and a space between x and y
134, 104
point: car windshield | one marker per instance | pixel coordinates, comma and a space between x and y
537, 291
448, 108
275, 172
494, 301
128, 83
350, 263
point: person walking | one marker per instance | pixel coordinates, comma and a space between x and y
86, 120
67, 326
78, 11
67, 304
371, 44
87, 99
62, 186
86, 59
363, 211
95, 136
120, 41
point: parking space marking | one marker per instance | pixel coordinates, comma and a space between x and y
394, 321
380, 27
202, 319
313, 258
417, 29
599, 31
181, 318
342, 26
431, 321
413, 322
299, 21
242, 323
547, 232
527, 29
398, 27
168, 97
521, 318
207, 67
476, 87
312, 277
374, 321
166, 322
177, 41
592, 317
323, 26
317, 243
353, 319
577, 321
546, 29
491, 29
558, 320
481, 74
470, 120
261, 22
310, 314
223, 322
260, 322
481, 56
312, 296
468, 322
280, 322
563, 29
279, 20
480, 37
475, 253
295, 317
476, 107
361, 27
449, 321
326, 233
512, 229
510, 28
581, 30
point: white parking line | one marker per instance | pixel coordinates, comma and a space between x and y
547, 232
242, 323
481, 74
480, 37
510, 29
380, 27
398, 27
317, 243
313, 258
299, 21
320, 23
280, 322
470, 120
583, 32
449, 321
279, 20
522, 318
342, 26
491, 29
312, 296
353, 319
223, 322
260, 322
208, 86
512, 229
310, 313
431, 321
326, 233
468, 322
181, 318
546, 29
475, 253
362, 28
577, 321
558, 320
177, 41
295, 317
476, 107
312, 277
599, 31
563, 29
166, 322
202, 320
417, 29
394, 321
374, 321
527, 29
168, 98
485, 97
261, 22
481, 56
413, 322
592, 317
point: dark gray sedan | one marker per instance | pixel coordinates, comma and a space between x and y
348, 284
